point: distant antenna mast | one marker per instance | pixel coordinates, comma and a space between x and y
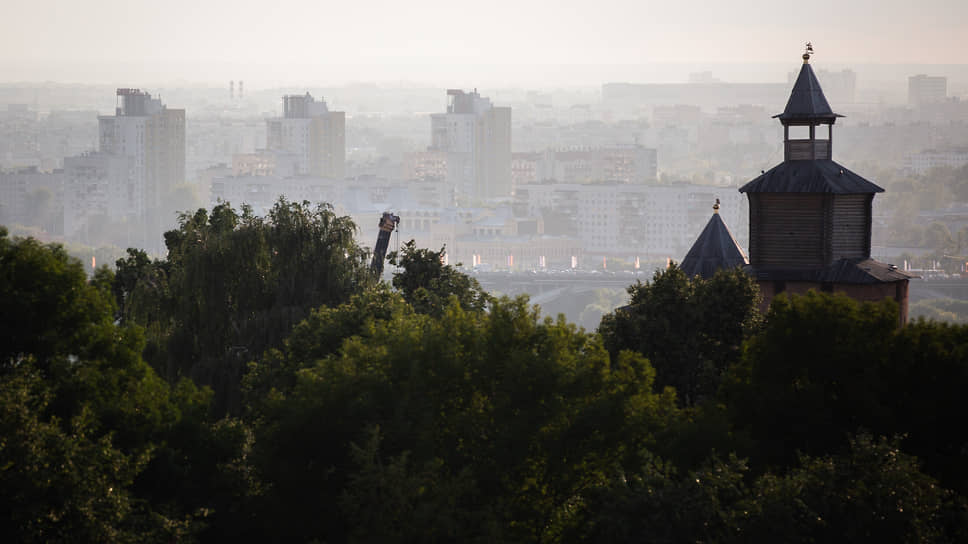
807, 53
231, 90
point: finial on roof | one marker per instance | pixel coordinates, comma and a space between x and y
716, 206
807, 53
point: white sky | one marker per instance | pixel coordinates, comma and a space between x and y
194, 40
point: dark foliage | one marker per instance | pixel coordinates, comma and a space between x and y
234, 286
691, 329
430, 412
427, 283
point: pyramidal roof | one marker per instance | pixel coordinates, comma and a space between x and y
816, 176
714, 249
807, 101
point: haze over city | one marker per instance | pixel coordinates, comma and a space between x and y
503, 43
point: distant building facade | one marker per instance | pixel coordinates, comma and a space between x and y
99, 185
28, 191
628, 164
925, 89
152, 136
425, 165
309, 139
140, 159
920, 163
475, 135
621, 220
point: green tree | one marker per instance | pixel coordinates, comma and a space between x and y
47, 309
427, 284
234, 285
658, 504
509, 415
82, 414
814, 375
604, 301
690, 329
826, 366
871, 492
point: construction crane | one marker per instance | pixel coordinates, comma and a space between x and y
387, 223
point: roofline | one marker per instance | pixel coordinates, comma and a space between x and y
807, 117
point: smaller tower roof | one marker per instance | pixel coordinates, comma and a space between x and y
807, 104
715, 248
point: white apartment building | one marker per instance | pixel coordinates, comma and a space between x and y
920, 163
653, 221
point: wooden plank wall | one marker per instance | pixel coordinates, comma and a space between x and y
802, 150
787, 230
849, 219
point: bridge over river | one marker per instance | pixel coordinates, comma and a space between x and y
546, 287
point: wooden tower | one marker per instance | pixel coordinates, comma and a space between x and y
810, 218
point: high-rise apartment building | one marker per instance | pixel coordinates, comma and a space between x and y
140, 158
924, 89
309, 139
476, 137
152, 136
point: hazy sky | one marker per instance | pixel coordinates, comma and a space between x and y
94, 40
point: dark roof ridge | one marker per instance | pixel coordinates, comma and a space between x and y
810, 176
714, 249
845, 271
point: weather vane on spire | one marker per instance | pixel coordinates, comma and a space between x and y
807, 53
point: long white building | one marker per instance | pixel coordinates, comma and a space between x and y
653, 221
920, 163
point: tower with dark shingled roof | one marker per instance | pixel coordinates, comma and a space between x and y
715, 248
810, 218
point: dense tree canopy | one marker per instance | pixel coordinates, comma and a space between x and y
234, 285
691, 329
872, 492
83, 418
825, 366
502, 405
427, 410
